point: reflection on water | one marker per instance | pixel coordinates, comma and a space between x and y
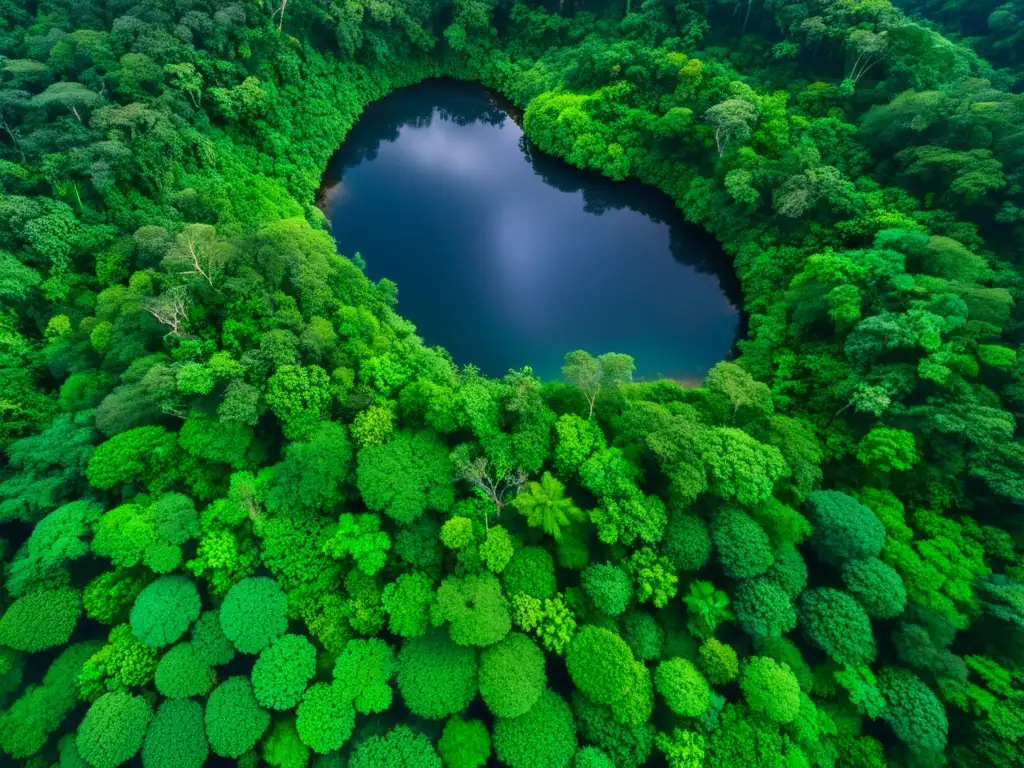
509, 257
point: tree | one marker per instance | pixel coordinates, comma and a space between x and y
545, 506
543, 737
744, 549
732, 122
682, 749
687, 542
496, 552
165, 610
763, 609
401, 747
74, 97
152, 535
474, 608
360, 537
512, 675
170, 309
408, 600
683, 687
362, 673
592, 374
186, 79
112, 730
41, 619
56, 540
176, 736
234, 720
916, 715
299, 397
771, 688
406, 476
324, 719
123, 662
653, 577
601, 665
254, 613
883, 450
742, 391
876, 585
843, 528
313, 473
867, 49
209, 641
707, 608
436, 677
719, 662
837, 624
457, 532
464, 744
577, 440
141, 455
182, 673
609, 588
532, 572
282, 671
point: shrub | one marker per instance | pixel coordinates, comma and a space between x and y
401, 747
608, 587
182, 673
254, 612
324, 719
916, 715
512, 675
743, 547
763, 609
41, 619
464, 744
436, 677
600, 664
837, 624
234, 720
719, 661
165, 610
281, 672
531, 571
474, 608
543, 737
112, 730
844, 529
687, 542
683, 687
176, 737
877, 586
771, 688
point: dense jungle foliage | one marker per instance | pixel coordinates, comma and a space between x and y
249, 516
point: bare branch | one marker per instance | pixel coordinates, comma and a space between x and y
170, 309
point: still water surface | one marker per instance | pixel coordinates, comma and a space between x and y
508, 257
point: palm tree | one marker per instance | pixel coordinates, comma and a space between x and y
545, 505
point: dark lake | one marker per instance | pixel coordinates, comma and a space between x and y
508, 257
